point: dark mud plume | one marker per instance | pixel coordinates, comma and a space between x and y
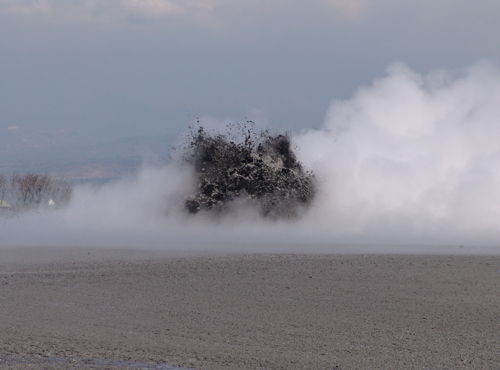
248, 166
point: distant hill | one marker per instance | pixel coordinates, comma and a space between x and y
95, 162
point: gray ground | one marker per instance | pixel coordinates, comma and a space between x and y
252, 311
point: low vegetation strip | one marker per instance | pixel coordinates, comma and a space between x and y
33, 190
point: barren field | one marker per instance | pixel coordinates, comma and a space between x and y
76, 308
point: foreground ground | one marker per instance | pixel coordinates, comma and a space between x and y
260, 311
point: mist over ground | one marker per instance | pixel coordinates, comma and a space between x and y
409, 160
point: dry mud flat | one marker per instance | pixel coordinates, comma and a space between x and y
252, 311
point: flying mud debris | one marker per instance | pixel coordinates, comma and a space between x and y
253, 167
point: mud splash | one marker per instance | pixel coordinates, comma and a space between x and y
253, 167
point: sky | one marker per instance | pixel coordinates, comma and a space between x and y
394, 106
75, 73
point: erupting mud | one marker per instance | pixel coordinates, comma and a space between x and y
254, 167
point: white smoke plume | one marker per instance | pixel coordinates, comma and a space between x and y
410, 160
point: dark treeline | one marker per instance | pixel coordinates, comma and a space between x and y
32, 190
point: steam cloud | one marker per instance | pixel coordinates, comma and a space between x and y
408, 160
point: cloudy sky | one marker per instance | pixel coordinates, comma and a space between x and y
82, 71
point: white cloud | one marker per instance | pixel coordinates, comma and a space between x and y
352, 10
151, 10
207, 13
249, 14
98, 11
26, 7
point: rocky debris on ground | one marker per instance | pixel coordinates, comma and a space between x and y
253, 167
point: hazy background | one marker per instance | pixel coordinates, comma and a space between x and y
90, 88
395, 105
